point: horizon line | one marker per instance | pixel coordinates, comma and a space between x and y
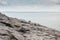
28, 12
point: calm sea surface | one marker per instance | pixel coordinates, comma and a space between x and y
49, 19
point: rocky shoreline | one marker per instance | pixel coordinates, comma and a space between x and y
18, 29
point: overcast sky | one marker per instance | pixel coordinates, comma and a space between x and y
30, 5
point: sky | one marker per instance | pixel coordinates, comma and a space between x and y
30, 5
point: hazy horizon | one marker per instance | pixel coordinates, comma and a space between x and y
51, 20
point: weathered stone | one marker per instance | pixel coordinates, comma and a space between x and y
19, 29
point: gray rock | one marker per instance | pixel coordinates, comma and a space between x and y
19, 29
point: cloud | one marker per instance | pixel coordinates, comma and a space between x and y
29, 2
54, 1
32, 9
2, 2
30, 5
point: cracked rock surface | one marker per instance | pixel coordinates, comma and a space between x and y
18, 29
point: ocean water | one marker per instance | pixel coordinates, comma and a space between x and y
49, 19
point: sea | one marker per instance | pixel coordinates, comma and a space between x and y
49, 19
